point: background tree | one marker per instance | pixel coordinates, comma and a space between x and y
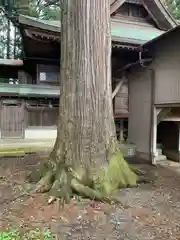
86, 156
10, 39
173, 7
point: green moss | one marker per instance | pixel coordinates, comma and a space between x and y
116, 175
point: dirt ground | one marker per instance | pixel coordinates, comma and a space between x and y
153, 212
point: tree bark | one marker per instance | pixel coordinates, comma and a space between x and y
86, 137
86, 124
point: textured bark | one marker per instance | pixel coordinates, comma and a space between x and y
86, 125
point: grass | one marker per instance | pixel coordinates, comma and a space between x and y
30, 235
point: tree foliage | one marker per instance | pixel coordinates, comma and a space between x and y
10, 39
173, 6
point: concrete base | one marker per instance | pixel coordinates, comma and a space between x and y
160, 158
159, 151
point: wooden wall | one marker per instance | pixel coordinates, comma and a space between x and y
18, 115
121, 100
41, 113
41, 116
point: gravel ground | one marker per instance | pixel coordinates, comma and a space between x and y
153, 212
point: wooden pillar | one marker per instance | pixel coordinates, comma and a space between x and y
121, 138
179, 141
154, 137
113, 100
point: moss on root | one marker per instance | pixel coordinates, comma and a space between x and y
62, 181
117, 174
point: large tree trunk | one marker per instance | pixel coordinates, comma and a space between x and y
86, 124
86, 138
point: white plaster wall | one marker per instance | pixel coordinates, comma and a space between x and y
41, 133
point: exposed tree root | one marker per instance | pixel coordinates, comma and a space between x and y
62, 181
143, 177
45, 184
88, 192
61, 187
137, 171
149, 177
85, 191
40, 171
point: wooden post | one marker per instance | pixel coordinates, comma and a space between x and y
113, 100
178, 141
154, 137
121, 130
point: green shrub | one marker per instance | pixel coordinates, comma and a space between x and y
30, 235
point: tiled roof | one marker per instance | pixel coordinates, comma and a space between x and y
127, 32
133, 33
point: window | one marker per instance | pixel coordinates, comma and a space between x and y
48, 73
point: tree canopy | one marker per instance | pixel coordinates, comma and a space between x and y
173, 7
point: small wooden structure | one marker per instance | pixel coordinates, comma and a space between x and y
154, 122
